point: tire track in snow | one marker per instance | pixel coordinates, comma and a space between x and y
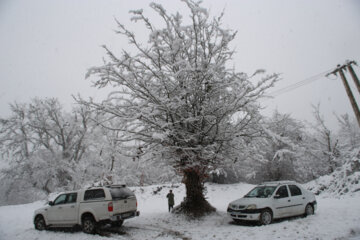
162, 231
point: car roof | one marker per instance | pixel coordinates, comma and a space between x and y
277, 183
116, 186
107, 186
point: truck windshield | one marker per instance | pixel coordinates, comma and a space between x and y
119, 193
261, 192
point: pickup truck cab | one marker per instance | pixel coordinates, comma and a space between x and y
88, 208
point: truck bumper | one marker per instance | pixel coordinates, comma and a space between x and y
124, 216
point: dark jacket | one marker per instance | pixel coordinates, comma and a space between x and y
170, 197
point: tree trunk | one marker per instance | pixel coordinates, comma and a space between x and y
194, 204
112, 163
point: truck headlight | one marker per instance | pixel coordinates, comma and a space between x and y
251, 206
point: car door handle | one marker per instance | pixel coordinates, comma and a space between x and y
303, 197
289, 200
59, 207
72, 206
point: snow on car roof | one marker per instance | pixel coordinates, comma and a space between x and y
278, 183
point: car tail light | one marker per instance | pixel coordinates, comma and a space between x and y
110, 207
136, 203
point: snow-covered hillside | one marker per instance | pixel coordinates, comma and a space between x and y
335, 218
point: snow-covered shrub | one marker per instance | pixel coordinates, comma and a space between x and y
344, 180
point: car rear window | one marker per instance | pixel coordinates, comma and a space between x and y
94, 194
282, 192
119, 193
294, 190
71, 198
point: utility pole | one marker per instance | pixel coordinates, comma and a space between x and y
353, 75
340, 70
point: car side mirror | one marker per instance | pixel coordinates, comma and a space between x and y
277, 196
51, 203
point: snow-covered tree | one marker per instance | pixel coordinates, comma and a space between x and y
43, 145
57, 131
176, 96
349, 133
326, 140
15, 134
283, 135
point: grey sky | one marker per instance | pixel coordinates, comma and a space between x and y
47, 46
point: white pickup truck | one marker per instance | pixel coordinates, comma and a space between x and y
88, 208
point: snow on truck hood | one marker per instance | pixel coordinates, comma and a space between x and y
42, 208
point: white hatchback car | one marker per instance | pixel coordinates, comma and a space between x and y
273, 200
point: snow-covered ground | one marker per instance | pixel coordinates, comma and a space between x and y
335, 218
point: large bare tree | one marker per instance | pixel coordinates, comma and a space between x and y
177, 97
42, 124
15, 134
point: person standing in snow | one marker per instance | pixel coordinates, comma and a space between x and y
171, 201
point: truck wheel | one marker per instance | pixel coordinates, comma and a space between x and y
39, 223
117, 223
88, 225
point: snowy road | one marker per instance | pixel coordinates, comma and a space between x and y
334, 219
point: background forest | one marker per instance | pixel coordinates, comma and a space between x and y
46, 149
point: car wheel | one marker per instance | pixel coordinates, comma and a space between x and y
117, 223
265, 217
88, 225
309, 210
40, 223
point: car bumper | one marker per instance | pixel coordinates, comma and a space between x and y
124, 216
244, 216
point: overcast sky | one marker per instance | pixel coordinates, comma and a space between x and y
47, 46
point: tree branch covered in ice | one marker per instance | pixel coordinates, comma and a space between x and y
177, 91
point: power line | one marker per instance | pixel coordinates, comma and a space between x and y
300, 83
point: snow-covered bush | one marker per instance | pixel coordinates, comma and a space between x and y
344, 180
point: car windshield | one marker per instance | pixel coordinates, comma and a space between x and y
261, 192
